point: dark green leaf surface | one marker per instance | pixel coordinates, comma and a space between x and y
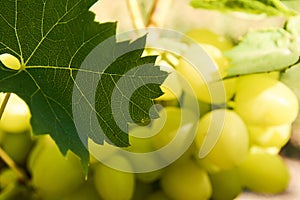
52, 38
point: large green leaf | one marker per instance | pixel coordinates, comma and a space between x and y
53, 39
263, 51
269, 7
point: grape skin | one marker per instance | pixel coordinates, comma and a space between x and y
112, 184
53, 174
16, 116
185, 180
226, 184
264, 173
264, 101
226, 153
270, 136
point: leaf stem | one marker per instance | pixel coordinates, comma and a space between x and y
4, 103
12, 165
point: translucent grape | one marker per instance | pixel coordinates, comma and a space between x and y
185, 180
265, 173
227, 152
200, 86
17, 146
264, 101
16, 116
226, 184
112, 184
270, 136
53, 174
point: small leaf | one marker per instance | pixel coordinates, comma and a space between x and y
263, 51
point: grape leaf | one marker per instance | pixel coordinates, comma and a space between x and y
269, 7
263, 51
53, 39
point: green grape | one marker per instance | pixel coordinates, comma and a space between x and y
270, 136
174, 118
264, 101
171, 119
16, 116
53, 174
264, 173
226, 184
143, 145
7, 177
10, 61
200, 87
185, 180
209, 37
142, 138
38, 146
17, 146
233, 143
112, 184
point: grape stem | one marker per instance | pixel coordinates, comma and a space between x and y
12, 165
4, 103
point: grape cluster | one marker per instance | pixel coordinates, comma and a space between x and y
252, 123
256, 118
